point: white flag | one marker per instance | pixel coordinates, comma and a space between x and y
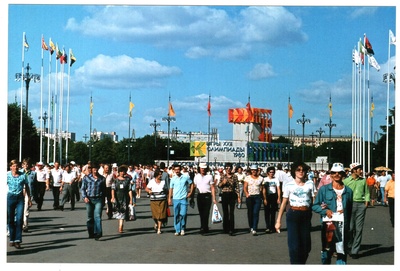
372, 61
356, 57
392, 38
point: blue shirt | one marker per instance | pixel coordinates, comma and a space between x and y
93, 188
16, 184
180, 186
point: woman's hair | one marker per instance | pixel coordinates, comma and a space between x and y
14, 162
157, 172
270, 168
123, 168
229, 165
296, 165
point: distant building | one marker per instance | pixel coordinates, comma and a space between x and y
187, 137
314, 140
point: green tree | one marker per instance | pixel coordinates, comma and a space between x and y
30, 136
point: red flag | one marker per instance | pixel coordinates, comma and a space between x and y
171, 111
368, 46
209, 108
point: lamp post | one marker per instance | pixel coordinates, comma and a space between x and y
320, 131
44, 118
168, 120
175, 132
330, 125
313, 145
248, 146
27, 77
303, 121
155, 125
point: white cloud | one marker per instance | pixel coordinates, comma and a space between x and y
123, 72
261, 71
202, 31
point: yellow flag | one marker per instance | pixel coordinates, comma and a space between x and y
131, 106
171, 111
330, 110
91, 108
372, 110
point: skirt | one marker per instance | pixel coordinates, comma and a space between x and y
159, 209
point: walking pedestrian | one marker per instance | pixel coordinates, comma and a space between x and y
121, 196
30, 174
181, 189
66, 188
252, 190
42, 184
299, 194
240, 176
158, 191
204, 185
229, 195
56, 174
360, 203
17, 183
271, 198
334, 203
93, 193
389, 197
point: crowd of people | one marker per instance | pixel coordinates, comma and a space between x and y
340, 196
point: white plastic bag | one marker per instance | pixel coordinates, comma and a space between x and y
216, 215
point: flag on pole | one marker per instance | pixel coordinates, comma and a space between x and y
392, 38
209, 108
44, 45
290, 111
131, 106
372, 61
372, 109
362, 51
91, 108
58, 52
330, 109
72, 58
368, 46
63, 57
26, 44
171, 111
52, 47
356, 57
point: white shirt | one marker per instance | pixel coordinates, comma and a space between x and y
203, 182
67, 177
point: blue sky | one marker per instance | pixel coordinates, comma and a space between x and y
231, 53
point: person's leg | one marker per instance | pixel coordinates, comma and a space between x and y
225, 212
359, 224
11, 208
98, 208
183, 213
90, 219
177, 218
256, 212
232, 204
19, 218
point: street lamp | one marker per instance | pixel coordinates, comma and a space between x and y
168, 119
248, 145
330, 125
320, 131
303, 121
176, 131
155, 125
27, 77
44, 118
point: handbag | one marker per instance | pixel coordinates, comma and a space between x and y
216, 215
132, 212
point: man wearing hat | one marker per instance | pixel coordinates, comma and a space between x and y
361, 199
205, 195
43, 183
334, 202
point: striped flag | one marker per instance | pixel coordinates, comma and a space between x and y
26, 44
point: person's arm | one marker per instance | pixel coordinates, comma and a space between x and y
279, 217
213, 193
246, 189
189, 195
171, 190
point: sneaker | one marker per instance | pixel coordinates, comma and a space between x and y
158, 232
251, 230
254, 233
182, 232
176, 233
268, 231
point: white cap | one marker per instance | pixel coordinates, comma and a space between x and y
203, 165
337, 167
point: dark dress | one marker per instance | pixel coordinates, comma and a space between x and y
121, 188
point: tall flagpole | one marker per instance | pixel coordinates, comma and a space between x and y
48, 107
41, 109
387, 105
55, 109
60, 124
66, 125
22, 86
129, 131
208, 138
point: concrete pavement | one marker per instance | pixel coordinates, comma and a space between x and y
59, 238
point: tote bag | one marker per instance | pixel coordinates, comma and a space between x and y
216, 215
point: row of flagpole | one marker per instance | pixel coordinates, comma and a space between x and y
362, 101
62, 56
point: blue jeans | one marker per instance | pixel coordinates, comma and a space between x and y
180, 214
253, 211
15, 214
298, 225
93, 209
